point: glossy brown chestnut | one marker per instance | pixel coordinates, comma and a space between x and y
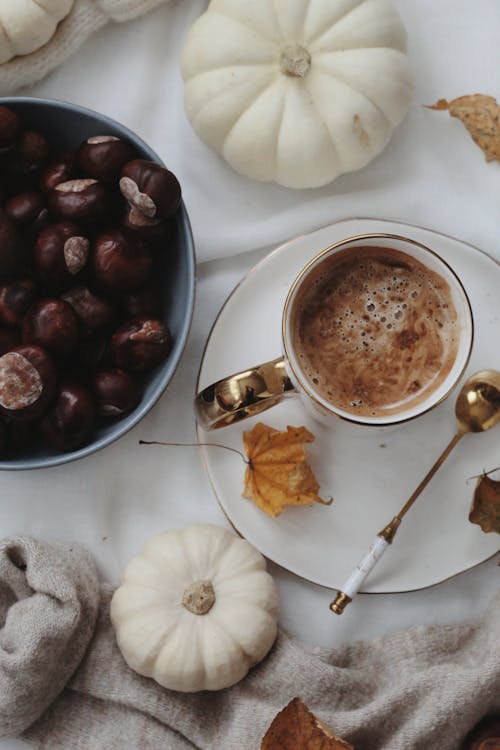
69, 422
142, 302
90, 355
31, 152
28, 379
150, 188
25, 209
58, 171
15, 299
10, 126
140, 344
61, 253
86, 201
116, 392
120, 262
52, 324
3, 438
103, 156
9, 339
11, 252
156, 232
22, 435
95, 314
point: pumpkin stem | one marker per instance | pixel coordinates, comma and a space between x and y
295, 61
199, 598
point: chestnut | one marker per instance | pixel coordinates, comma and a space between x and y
51, 323
11, 252
60, 253
103, 156
150, 188
120, 262
69, 422
90, 354
86, 201
95, 314
140, 344
25, 209
58, 171
28, 379
140, 302
15, 299
116, 392
10, 125
156, 232
9, 339
3, 438
31, 152
22, 435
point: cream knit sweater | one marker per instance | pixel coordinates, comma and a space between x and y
86, 17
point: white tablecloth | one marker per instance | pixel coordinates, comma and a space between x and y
431, 174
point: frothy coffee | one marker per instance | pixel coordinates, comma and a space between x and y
375, 331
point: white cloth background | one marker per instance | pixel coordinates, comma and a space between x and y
431, 174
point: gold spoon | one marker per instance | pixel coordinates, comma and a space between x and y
477, 409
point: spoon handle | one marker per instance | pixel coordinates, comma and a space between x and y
365, 566
384, 538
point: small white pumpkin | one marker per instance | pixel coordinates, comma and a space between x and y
196, 609
296, 91
26, 25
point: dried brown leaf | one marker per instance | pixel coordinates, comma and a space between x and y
480, 114
296, 728
278, 473
485, 509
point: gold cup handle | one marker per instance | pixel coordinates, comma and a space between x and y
243, 395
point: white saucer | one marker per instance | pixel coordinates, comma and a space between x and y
369, 476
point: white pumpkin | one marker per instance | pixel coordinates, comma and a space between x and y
296, 91
26, 25
196, 609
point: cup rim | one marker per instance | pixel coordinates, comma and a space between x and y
304, 385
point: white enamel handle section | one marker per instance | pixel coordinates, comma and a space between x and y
360, 573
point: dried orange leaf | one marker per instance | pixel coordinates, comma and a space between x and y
481, 116
278, 473
296, 728
485, 509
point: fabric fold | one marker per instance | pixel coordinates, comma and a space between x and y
49, 599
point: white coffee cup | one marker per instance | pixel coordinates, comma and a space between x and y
247, 393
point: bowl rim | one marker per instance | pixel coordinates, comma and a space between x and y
183, 223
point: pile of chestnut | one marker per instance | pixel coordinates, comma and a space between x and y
79, 310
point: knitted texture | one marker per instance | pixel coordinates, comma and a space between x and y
419, 689
422, 688
48, 608
85, 17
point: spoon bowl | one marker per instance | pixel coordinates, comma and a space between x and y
478, 404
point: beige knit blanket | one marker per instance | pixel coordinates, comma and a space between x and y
419, 689
85, 17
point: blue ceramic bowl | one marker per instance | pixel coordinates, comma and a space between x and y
66, 126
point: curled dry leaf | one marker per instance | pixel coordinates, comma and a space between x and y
296, 728
485, 509
278, 473
481, 116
